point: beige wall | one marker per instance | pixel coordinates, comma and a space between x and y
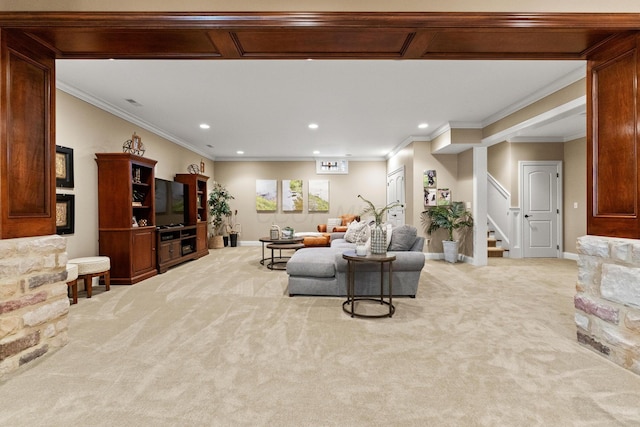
365, 178
89, 130
575, 191
503, 158
567, 94
499, 163
331, 5
446, 166
532, 152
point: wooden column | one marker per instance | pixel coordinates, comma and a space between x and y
27, 137
613, 153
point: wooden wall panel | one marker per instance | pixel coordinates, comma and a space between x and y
26, 141
613, 162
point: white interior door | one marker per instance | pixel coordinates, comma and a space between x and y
541, 199
395, 192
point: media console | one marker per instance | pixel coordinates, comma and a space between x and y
176, 245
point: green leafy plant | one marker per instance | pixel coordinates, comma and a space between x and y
219, 206
448, 217
378, 213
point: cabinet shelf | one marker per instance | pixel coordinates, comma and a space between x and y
197, 212
125, 179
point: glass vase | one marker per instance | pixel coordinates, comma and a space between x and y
379, 240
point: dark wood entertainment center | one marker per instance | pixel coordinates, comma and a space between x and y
175, 246
128, 234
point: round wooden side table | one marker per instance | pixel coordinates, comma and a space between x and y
382, 259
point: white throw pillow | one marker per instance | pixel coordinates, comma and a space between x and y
333, 222
353, 230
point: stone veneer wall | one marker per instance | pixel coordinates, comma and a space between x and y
608, 298
33, 299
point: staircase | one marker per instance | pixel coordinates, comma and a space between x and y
493, 246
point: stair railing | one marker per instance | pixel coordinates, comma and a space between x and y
498, 206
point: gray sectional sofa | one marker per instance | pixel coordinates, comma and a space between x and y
322, 271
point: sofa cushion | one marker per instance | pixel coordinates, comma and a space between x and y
402, 238
312, 262
354, 230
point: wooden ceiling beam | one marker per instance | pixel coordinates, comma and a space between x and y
320, 35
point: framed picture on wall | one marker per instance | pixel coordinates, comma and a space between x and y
266, 195
318, 195
292, 198
444, 196
430, 197
64, 167
65, 208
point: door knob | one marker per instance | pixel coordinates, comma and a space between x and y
527, 216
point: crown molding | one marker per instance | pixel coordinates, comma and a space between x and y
576, 106
566, 80
118, 112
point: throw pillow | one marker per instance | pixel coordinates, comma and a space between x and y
353, 230
403, 238
333, 222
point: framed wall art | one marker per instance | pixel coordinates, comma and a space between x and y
266, 195
444, 196
64, 167
292, 198
318, 195
65, 208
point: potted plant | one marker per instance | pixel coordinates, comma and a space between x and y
378, 233
218, 209
232, 228
448, 217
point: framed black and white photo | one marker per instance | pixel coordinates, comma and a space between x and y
64, 167
65, 208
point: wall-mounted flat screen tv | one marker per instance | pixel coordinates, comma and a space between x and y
171, 203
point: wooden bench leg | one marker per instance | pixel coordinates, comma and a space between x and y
88, 282
74, 290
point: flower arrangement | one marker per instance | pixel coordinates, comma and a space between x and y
378, 233
378, 213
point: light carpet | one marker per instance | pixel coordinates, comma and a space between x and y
217, 342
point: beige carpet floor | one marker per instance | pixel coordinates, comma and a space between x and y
217, 342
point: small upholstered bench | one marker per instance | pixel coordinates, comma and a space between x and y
90, 267
72, 282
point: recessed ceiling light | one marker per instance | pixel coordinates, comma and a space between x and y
316, 152
423, 125
240, 152
204, 126
313, 126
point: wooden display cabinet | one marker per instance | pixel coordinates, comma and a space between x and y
126, 215
197, 211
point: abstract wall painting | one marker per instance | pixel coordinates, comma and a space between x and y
266, 195
319, 195
292, 197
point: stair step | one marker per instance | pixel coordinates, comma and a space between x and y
495, 252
